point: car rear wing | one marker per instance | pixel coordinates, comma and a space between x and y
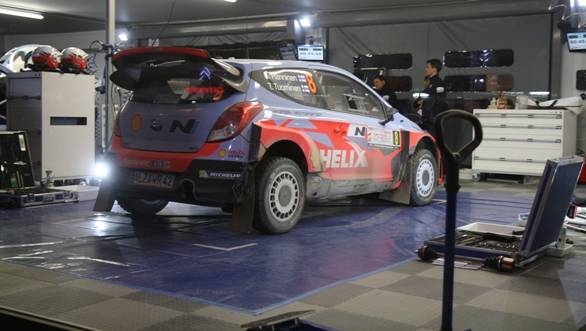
131, 64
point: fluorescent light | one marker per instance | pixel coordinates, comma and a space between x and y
581, 3
231, 1
123, 36
20, 13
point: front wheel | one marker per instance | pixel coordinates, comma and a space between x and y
280, 190
141, 207
423, 177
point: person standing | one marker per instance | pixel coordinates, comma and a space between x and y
435, 103
383, 88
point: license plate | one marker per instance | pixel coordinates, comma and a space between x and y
152, 179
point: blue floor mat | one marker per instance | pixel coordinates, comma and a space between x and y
190, 251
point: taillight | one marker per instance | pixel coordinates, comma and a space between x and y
234, 120
117, 126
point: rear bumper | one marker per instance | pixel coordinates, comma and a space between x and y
205, 182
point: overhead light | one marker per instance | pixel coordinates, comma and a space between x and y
581, 3
123, 36
305, 21
231, 1
20, 13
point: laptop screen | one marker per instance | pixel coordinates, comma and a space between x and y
551, 204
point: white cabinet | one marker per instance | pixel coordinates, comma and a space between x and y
520, 141
57, 112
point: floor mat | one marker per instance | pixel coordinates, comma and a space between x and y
191, 252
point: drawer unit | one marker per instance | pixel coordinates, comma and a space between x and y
519, 142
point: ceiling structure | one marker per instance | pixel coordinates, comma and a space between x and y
83, 15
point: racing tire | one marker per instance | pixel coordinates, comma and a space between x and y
141, 207
423, 166
280, 195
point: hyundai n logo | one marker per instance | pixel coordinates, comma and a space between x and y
188, 126
156, 125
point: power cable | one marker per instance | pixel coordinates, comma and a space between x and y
168, 21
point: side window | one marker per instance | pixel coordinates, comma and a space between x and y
343, 94
298, 85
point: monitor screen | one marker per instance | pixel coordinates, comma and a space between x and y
550, 204
310, 53
577, 41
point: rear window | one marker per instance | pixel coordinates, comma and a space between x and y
181, 82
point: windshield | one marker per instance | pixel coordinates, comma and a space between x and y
180, 82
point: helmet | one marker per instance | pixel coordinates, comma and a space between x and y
74, 60
46, 58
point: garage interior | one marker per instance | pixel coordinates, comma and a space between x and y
356, 262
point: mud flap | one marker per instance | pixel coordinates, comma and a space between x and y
245, 191
402, 194
105, 199
243, 213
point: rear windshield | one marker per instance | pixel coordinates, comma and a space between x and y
181, 82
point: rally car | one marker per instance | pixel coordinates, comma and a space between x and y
210, 132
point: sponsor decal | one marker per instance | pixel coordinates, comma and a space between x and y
344, 159
376, 136
383, 138
231, 154
212, 174
215, 90
205, 74
153, 164
136, 123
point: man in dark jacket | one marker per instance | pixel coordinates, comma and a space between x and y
384, 90
435, 102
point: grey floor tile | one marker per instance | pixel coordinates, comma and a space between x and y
166, 301
192, 323
380, 279
336, 295
397, 307
43, 275
52, 300
10, 284
119, 314
529, 305
549, 287
413, 267
104, 288
8, 267
477, 319
472, 277
573, 269
431, 288
345, 321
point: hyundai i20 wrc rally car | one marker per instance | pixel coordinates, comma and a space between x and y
204, 131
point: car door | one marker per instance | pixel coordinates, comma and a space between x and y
361, 112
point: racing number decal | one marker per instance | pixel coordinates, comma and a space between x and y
311, 83
397, 138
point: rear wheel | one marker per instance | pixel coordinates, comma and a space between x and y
423, 177
280, 195
141, 207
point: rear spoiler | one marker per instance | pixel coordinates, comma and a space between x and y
130, 64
